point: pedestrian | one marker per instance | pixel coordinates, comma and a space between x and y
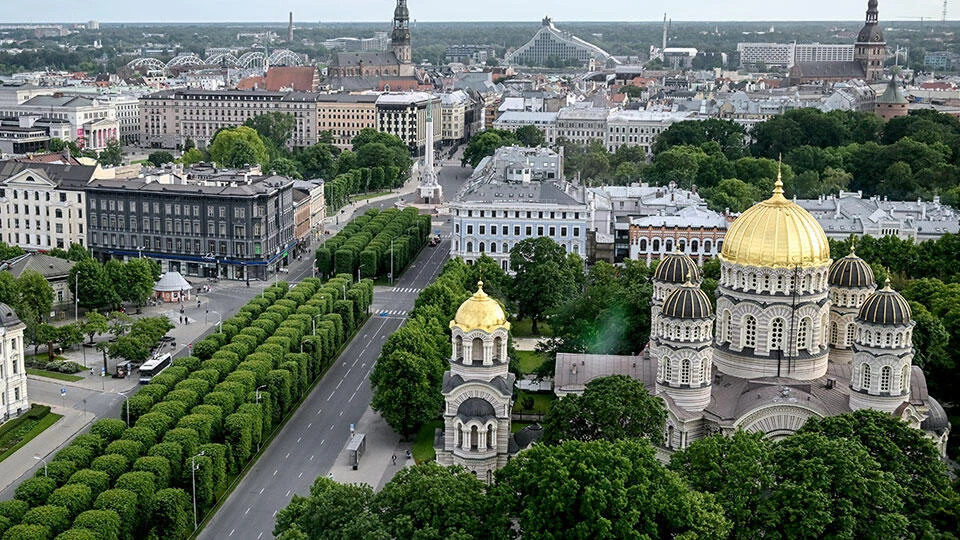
181, 319
198, 302
394, 459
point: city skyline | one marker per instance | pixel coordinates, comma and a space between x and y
309, 12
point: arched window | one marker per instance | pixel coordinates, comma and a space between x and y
656, 244
474, 438
459, 435
643, 244
469, 247
753, 281
458, 343
686, 333
667, 370
776, 334
766, 282
685, 371
749, 338
897, 339
668, 244
834, 333
887, 339
476, 354
850, 329
780, 283
803, 334
703, 371
865, 377
489, 437
497, 348
904, 379
741, 280
706, 246
694, 245
482, 247
806, 282
885, 379
725, 326
493, 247
662, 367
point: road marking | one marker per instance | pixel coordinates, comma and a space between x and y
309, 425
287, 456
300, 475
341, 413
321, 444
339, 383
261, 532
247, 511
261, 490
231, 532
287, 495
358, 387
351, 397
347, 373
275, 472
299, 439
319, 410
331, 395
311, 458
331, 426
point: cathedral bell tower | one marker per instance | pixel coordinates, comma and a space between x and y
401, 33
870, 47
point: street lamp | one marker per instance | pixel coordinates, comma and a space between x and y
76, 297
314, 321
140, 252
258, 392
219, 319
126, 402
193, 477
37, 457
391, 261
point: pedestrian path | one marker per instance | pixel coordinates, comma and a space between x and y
407, 290
393, 313
383, 457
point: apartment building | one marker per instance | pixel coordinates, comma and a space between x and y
231, 226
404, 114
639, 127
43, 204
344, 115
582, 125
13, 373
91, 123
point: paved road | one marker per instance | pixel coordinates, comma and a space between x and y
308, 445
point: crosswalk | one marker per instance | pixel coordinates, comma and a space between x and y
393, 313
407, 290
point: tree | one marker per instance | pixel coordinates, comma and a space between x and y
530, 136
332, 510
8, 289
169, 515
94, 324
77, 253
139, 276
318, 161
191, 157
8, 252
35, 297
239, 146
94, 287
610, 408
275, 127
402, 391
159, 159
733, 194
600, 489
543, 278
286, 167
112, 154
485, 143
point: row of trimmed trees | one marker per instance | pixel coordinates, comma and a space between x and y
123, 481
365, 243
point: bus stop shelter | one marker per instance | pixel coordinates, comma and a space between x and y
356, 447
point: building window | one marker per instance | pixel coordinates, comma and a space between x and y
834, 333
803, 334
904, 379
865, 377
749, 331
685, 371
776, 334
725, 326
885, 379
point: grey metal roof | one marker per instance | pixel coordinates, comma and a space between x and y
66, 176
847, 70
534, 192
49, 267
476, 408
8, 317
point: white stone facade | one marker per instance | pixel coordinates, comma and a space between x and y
13, 373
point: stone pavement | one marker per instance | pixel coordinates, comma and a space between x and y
376, 466
44, 444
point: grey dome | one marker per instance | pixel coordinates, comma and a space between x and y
937, 420
8, 317
885, 307
475, 408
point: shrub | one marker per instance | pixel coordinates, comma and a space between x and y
199, 386
141, 434
155, 390
81, 533
124, 503
238, 434
55, 518
97, 481
79, 455
138, 405
71, 367
238, 390
74, 497
110, 429
169, 517
174, 409
14, 509
192, 363
112, 464
223, 400
140, 482
105, 524
212, 376
156, 422
35, 491
127, 448
218, 455
200, 423
158, 465
59, 469
27, 532
91, 441
188, 397
188, 439
170, 451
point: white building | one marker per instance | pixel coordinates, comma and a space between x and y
849, 213
13, 373
546, 122
43, 204
582, 124
453, 109
639, 127
785, 55
518, 193
92, 123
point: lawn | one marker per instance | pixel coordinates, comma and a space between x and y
53, 375
21, 433
541, 402
34, 360
528, 360
423, 444
522, 328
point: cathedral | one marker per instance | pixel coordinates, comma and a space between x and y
397, 63
869, 52
795, 335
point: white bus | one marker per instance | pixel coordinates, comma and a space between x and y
154, 366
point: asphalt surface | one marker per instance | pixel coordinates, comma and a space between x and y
310, 442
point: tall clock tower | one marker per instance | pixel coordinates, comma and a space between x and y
870, 48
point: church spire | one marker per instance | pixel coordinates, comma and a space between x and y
401, 32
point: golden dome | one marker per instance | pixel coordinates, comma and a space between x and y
480, 312
776, 233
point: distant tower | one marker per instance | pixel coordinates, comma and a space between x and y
290, 28
663, 44
891, 103
870, 47
430, 189
401, 33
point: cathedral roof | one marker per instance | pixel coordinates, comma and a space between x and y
687, 302
480, 312
937, 419
870, 33
776, 233
886, 307
476, 408
676, 267
851, 271
892, 95
8, 317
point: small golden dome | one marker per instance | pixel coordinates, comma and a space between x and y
480, 312
776, 233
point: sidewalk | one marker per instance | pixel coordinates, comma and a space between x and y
23, 463
376, 465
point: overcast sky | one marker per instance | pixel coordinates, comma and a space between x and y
447, 10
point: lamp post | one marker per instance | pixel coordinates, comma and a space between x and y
37, 457
76, 297
219, 319
193, 478
140, 252
314, 321
126, 402
258, 403
391, 261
